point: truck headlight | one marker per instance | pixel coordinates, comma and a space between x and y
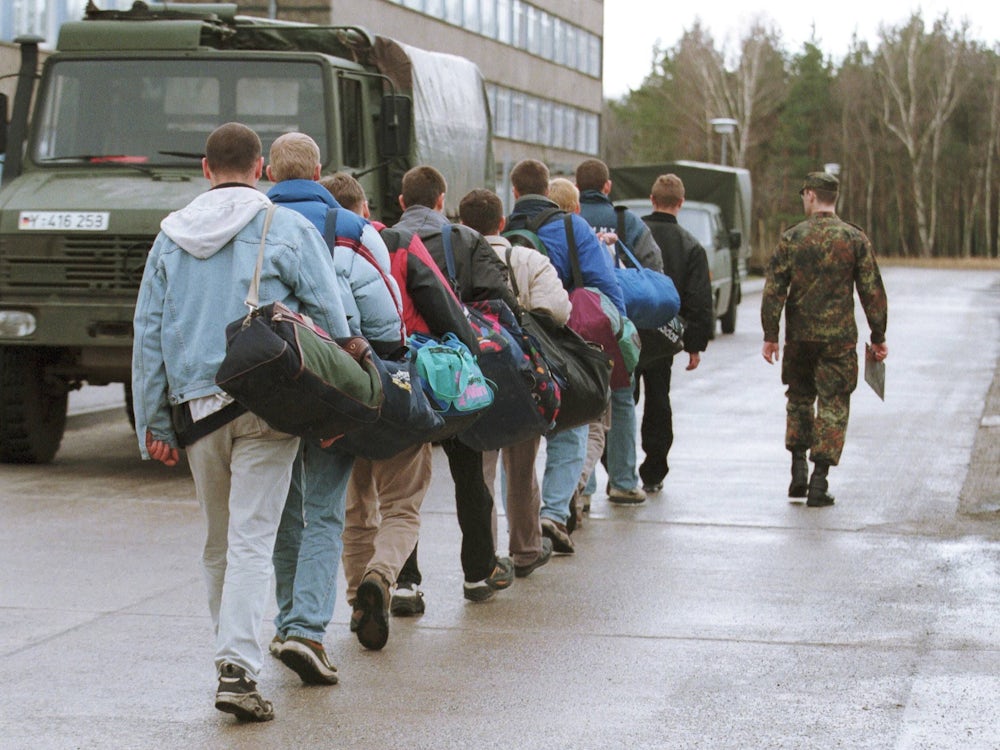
16, 324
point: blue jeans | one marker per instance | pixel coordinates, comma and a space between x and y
621, 451
564, 456
308, 546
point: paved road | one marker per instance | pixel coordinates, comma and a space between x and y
717, 615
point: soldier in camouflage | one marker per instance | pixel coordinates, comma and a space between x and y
812, 276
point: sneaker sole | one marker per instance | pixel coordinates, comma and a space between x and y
245, 706
478, 594
373, 628
298, 658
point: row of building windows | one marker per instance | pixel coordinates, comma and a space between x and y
520, 25
523, 117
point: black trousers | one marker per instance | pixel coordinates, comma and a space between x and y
657, 428
474, 506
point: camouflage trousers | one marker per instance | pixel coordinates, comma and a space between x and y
820, 378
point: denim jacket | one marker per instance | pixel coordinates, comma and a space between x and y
195, 282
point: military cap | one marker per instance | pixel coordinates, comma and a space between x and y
820, 181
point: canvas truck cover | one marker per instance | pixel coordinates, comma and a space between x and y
458, 144
728, 188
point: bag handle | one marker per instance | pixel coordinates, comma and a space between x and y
622, 248
253, 293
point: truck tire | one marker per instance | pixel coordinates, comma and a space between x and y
728, 318
32, 411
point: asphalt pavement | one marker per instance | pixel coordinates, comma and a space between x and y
715, 615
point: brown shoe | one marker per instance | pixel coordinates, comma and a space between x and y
562, 542
372, 600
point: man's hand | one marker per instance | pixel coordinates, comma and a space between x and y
879, 351
694, 359
161, 451
770, 351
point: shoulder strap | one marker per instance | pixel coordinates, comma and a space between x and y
253, 293
574, 255
511, 276
542, 218
620, 216
449, 255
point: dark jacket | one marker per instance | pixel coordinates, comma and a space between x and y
686, 263
598, 211
480, 273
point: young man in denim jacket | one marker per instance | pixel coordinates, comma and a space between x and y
195, 282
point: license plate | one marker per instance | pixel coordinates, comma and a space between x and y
64, 221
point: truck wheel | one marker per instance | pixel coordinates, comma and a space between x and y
728, 318
32, 411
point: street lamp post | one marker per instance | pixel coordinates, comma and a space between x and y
724, 126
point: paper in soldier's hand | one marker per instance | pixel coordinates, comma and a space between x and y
874, 372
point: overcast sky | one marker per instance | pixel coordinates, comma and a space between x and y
632, 27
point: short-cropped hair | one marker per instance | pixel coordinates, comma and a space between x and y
530, 177
422, 186
668, 191
346, 189
592, 174
232, 147
293, 156
482, 210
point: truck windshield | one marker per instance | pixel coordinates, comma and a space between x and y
160, 111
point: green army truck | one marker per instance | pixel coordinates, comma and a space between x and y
716, 210
109, 139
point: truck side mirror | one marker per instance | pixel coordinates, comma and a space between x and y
3, 123
395, 125
735, 239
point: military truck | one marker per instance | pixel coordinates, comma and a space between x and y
114, 142
716, 210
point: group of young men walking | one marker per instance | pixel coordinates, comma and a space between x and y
297, 507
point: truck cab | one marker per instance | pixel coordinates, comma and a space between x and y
115, 141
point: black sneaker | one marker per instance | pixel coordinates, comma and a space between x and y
523, 571
308, 660
372, 600
407, 600
501, 578
238, 695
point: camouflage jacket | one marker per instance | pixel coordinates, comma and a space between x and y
812, 275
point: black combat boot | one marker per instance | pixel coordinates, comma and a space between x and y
800, 475
818, 497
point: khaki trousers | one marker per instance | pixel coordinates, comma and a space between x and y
382, 522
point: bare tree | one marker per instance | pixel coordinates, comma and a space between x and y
921, 81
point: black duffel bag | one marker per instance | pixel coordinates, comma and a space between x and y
292, 374
582, 369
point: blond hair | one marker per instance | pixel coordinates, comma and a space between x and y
293, 156
565, 194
